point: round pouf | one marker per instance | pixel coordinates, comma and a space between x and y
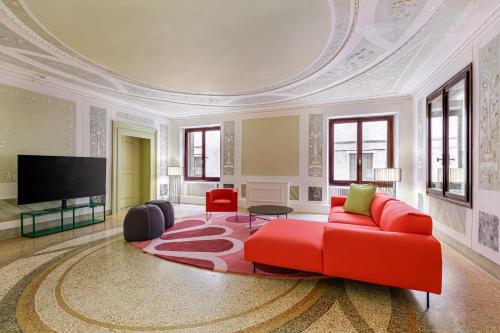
167, 209
143, 223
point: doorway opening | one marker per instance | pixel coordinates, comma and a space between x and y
134, 166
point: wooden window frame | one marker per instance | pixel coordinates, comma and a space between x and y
359, 148
465, 200
203, 130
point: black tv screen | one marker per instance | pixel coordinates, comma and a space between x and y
49, 178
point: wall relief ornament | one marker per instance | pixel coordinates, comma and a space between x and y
228, 139
163, 150
315, 193
488, 231
315, 167
294, 192
420, 138
97, 131
98, 118
489, 116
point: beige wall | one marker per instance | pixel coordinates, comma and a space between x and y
33, 123
270, 146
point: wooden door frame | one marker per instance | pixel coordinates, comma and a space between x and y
121, 129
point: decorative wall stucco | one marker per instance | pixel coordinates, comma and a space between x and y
97, 131
163, 150
488, 231
315, 193
420, 201
489, 115
315, 167
98, 117
228, 140
294, 192
133, 117
421, 115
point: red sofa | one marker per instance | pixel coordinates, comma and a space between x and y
393, 247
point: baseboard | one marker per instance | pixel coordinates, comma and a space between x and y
482, 262
16, 231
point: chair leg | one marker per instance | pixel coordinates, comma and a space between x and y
236, 216
428, 301
207, 216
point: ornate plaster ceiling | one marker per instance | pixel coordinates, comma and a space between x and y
215, 56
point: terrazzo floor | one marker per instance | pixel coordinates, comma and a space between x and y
91, 280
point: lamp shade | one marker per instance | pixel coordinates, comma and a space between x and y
387, 174
174, 171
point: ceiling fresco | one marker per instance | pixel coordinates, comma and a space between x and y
333, 50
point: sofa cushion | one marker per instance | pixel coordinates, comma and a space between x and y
222, 202
359, 199
400, 217
378, 203
288, 243
350, 218
337, 209
353, 226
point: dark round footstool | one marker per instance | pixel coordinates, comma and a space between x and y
166, 209
143, 223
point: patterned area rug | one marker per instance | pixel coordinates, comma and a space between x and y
216, 245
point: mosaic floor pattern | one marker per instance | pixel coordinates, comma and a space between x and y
94, 281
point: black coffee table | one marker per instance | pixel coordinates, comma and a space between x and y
268, 210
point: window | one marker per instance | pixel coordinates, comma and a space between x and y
449, 126
202, 154
357, 146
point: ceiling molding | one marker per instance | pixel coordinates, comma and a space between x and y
380, 45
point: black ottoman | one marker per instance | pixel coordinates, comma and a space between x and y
167, 209
143, 223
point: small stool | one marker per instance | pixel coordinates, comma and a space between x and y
143, 223
167, 209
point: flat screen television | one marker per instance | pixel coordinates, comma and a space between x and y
50, 178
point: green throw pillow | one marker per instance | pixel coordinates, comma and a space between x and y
360, 199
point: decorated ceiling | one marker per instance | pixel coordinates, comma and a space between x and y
187, 57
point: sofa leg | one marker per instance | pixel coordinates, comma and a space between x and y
254, 267
427, 301
236, 216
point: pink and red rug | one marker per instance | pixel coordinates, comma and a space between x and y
216, 245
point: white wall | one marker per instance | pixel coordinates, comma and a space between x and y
448, 218
399, 107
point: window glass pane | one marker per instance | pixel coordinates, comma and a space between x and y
212, 154
436, 133
374, 147
195, 154
457, 135
345, 151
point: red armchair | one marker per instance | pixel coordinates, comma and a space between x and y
221, 200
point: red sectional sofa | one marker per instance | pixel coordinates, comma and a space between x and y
393, 247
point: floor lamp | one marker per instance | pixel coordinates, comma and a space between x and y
174, 179
389, 175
